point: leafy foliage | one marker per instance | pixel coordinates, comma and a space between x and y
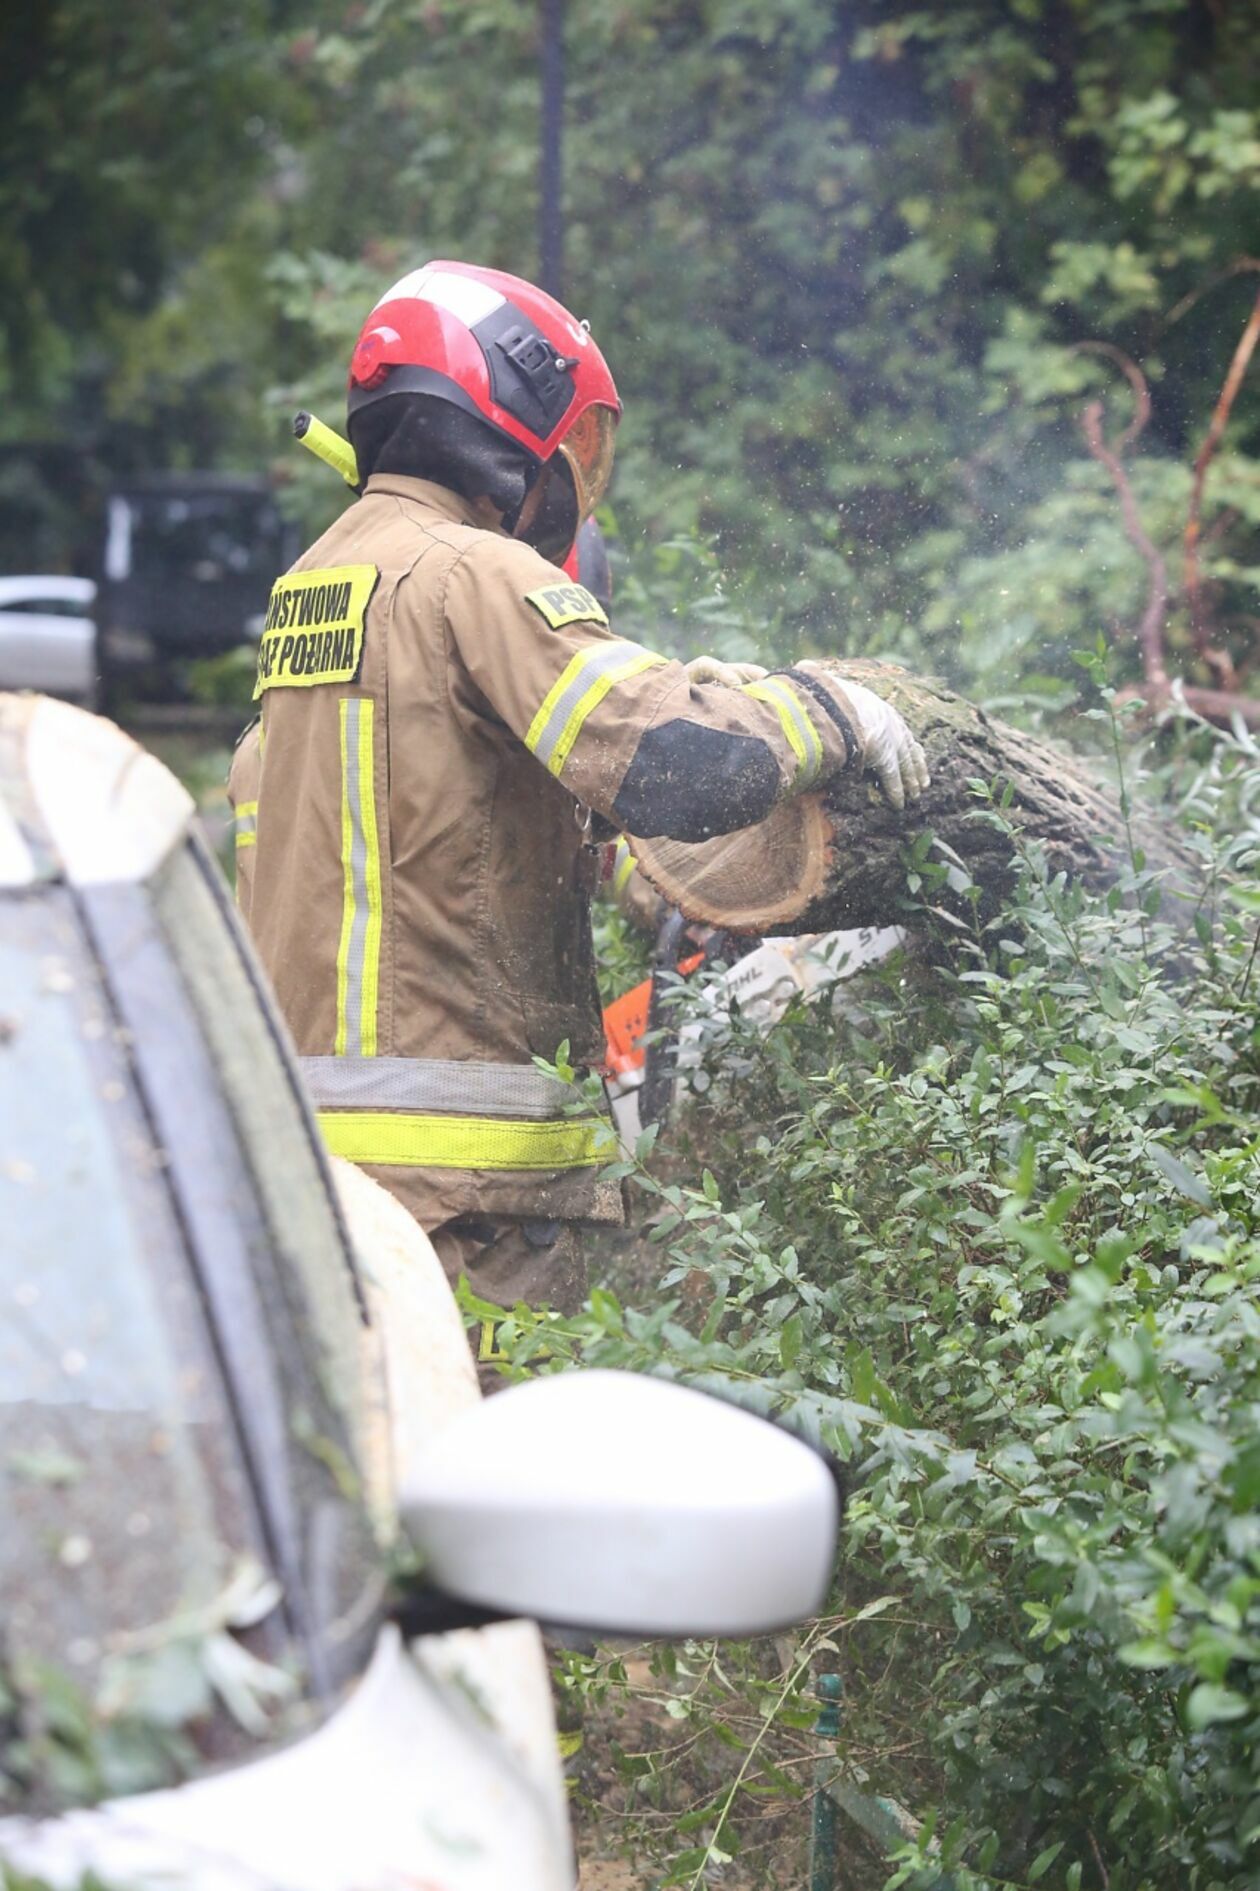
994, 1238
155, 1702
852, 262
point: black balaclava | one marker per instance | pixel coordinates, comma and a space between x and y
553, 526
426, 438
593, 568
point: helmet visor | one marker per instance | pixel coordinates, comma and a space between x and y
553, 519
588, 447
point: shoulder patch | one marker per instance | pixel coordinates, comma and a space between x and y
314, 628
563, 604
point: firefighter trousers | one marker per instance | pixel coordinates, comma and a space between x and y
539, 1262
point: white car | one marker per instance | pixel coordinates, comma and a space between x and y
48, 636
260, 1538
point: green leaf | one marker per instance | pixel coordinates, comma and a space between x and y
606, 1308
1210, 1705
1043, 1861
1150, 1653
877, 1607
49, 1466
862, 1377
1184, 1180
791, 1339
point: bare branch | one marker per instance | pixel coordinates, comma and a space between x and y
1242, 265
1150, 632
1220, 706
1137, 381
1098, 1860
1219, 659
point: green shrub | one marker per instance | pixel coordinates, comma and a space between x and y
227, 681
994, 1236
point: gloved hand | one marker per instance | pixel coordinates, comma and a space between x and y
888, 747
725, 675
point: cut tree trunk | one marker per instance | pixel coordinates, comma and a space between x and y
836, 858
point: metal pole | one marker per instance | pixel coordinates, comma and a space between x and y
824, 1849
550, 154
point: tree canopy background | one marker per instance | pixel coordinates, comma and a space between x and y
858, 268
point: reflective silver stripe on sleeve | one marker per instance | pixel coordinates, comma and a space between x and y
804, 728
556, 726
434, 1083
797, 724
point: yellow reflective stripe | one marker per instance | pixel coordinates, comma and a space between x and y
359, 948
582, 685
624, 864
245, 816
592, 699
797, 724
396, 1140
372, 884
347, 886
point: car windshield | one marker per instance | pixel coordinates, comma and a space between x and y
180, 1347
123, 1501
46, 606
247, 1168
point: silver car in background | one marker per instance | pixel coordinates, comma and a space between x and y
48, 636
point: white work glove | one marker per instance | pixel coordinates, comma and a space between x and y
887, 746
725, 675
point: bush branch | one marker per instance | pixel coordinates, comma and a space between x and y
1151, 629
1219, 659
1137, 381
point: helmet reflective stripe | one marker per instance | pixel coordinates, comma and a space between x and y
507, 353
462, 296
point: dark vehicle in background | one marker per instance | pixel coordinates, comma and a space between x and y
186, 565
182, 562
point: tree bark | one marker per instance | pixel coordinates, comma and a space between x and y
837, 858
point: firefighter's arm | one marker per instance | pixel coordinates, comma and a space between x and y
242, 789
628, 732
243, 783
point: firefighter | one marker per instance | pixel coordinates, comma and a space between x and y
446, 723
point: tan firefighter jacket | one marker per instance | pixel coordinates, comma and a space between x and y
441, 709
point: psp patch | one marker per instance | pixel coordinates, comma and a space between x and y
313, 631
563, 604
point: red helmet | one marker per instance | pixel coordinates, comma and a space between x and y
501, 350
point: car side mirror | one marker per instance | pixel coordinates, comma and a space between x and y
610, 1501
